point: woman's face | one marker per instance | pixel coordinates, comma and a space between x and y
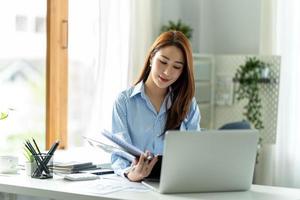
166, 66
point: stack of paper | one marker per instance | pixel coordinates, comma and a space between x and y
72, 167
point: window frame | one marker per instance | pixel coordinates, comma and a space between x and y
57, 73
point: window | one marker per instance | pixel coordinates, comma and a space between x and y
22, 73
34, 68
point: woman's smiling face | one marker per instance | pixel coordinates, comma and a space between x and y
166, 66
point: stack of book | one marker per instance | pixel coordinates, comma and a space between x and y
73, 167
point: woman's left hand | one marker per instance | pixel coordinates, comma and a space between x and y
142, 168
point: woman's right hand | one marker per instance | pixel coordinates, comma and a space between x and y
141, 168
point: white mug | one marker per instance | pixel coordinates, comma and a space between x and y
8, 164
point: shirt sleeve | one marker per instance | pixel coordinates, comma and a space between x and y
119, 165
120, 127
192, 121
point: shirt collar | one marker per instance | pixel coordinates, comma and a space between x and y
139, 89
169, 100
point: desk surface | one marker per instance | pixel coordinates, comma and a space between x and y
58, 188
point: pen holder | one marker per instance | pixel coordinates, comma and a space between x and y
43, 162
30, 167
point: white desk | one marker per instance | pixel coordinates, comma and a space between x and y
58, 188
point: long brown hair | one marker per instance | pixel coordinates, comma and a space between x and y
183, 89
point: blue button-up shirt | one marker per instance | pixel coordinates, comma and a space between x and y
135, 119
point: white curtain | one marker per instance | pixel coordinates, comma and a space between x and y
287, 149
108, 43
125, 34
110, 72
268, 27
145, 26
280, 35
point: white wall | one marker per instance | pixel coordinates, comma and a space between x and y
236, 26
220, 27
187, 11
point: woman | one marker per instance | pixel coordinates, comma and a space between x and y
162, 99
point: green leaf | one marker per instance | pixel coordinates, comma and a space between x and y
3, 115
248, 76
178, 26
28, 155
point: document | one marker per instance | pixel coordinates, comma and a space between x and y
122, 148
112, 184
129, 148
129, 152
105, 147
107, 184
125, 155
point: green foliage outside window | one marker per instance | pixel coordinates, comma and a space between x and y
3, 115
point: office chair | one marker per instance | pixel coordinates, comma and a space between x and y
236, 125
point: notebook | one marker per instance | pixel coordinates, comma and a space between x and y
209, 161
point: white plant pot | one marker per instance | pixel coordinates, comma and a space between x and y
265, 73
30, 167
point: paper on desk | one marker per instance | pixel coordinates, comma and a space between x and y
105, 188
110, 184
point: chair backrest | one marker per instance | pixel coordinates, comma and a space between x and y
236, 125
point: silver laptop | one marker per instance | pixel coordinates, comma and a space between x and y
209, 161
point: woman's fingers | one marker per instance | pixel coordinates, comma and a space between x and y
153, 162
143, 167
134, 162
140, 164
150, 166
149, 155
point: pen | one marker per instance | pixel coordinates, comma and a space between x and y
37, 158
53, 148
51, 152
48, 157
29, 149
35, 144
103, 172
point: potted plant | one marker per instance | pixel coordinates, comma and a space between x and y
178, 26
30, 165
249, 76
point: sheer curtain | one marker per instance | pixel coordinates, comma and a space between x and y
145, 25
268, 25
280, 35
125, 34
287, 149
99, 37
110, 72
108, 43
